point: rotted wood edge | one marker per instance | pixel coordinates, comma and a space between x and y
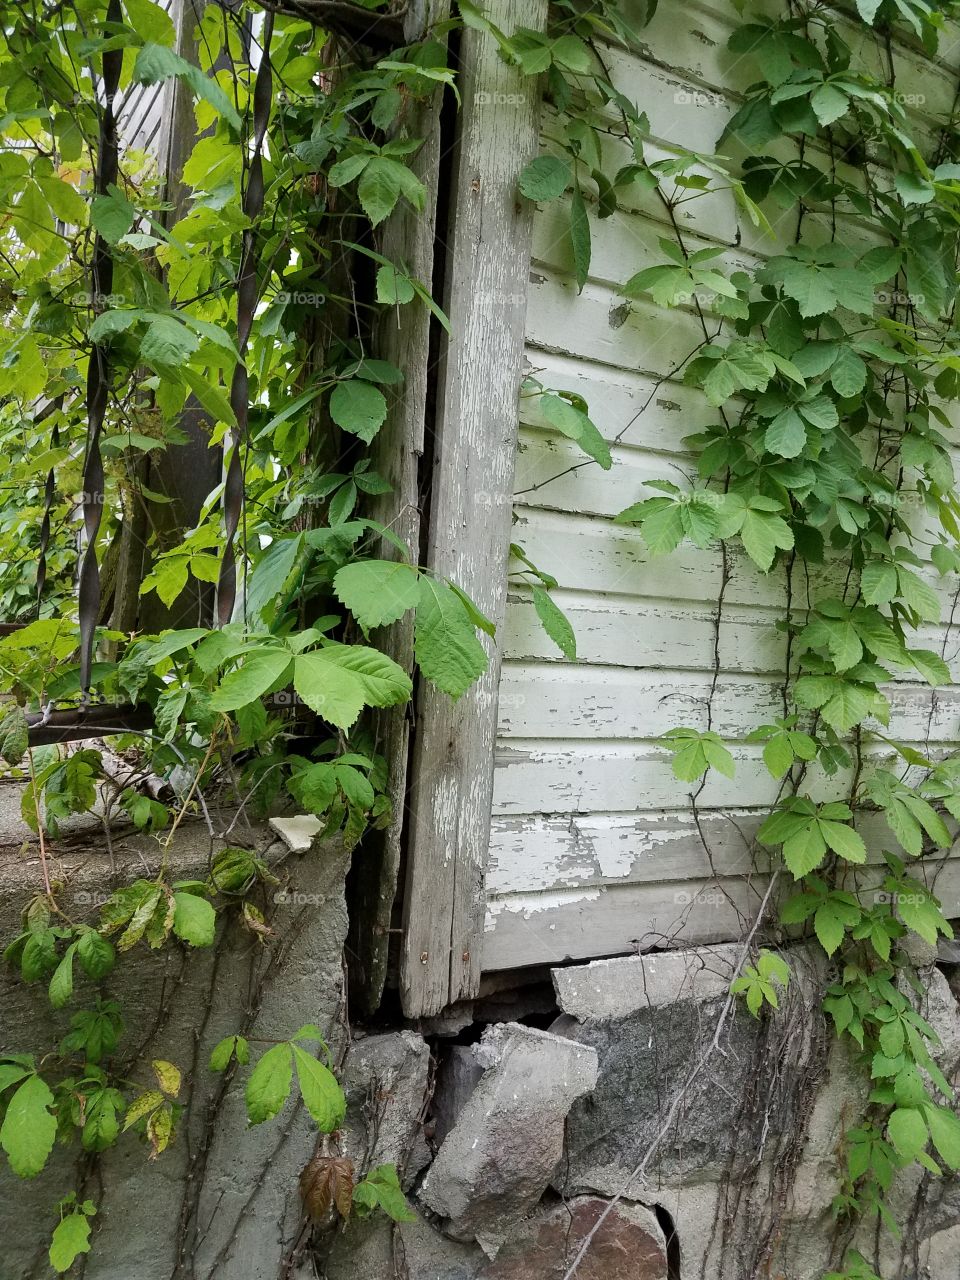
88, 722
487, 271
404, 340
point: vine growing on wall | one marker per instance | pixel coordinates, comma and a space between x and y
831, 365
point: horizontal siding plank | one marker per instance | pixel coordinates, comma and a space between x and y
572, 924
569, 777
588, 553
539, 854
681, 636
579, 701
557, 925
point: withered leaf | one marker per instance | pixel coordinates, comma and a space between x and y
326, 1184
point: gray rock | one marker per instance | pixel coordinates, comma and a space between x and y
938, 1005
376, 1249
917, 950
503, 1150
385, 1078
621, 986
459, 1075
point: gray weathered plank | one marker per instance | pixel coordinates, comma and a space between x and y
476, 437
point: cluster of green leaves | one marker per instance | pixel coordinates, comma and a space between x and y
225, 703
757, 983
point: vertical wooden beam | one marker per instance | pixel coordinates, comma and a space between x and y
487, 270
403, 339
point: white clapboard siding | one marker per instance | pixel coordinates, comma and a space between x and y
595, 847
144, 111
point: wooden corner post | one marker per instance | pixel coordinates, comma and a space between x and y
475, 443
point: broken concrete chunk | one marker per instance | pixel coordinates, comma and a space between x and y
504, 1148
616, 988
298, 832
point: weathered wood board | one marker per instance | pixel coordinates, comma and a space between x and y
487, 264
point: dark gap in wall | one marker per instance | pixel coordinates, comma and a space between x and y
669, 1229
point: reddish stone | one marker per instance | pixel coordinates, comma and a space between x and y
628, 1245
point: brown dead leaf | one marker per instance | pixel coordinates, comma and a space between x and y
326, 1184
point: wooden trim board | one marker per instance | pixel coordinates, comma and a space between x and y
487, 270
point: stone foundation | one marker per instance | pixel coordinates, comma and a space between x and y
517, 1141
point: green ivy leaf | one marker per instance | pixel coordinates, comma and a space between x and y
338, 681
447, 649
907, 1130
194, 919
381, 1189
829, 104
322, 1095
944, 1129
878, 582
14, 734
112, 215
358, 407
762, 534
829, 928
29, 1129
545, 178
576, 425
393, 287
580, 237
269, 1085
71, 1237
786, 435
381, 185
377, 592
156, 63
261, 671
555, 623
167, 342
61, 984
96, 955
